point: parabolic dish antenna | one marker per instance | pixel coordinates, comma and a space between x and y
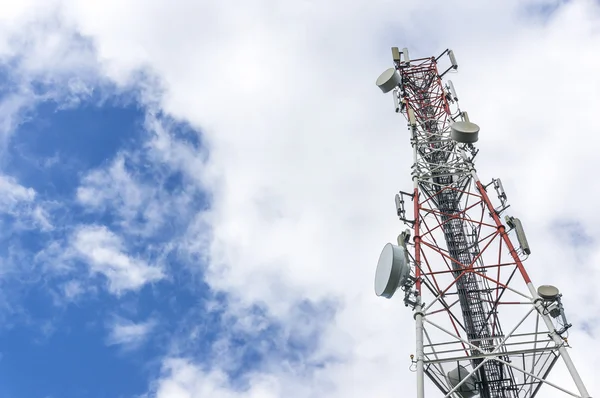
469, 388
465, 132
388, 80
548, 292
392, 270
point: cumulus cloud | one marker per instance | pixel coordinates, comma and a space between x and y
185, 379
105, 254
305, 155
43, 60
141, 205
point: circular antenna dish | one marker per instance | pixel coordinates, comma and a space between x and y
548, 292
392, 270
465, 132
469, 388
388, 80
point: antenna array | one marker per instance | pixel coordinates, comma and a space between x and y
481, 326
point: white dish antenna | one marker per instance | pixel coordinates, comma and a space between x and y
548, 292
392, 270
469, 388
465, 132
388, 80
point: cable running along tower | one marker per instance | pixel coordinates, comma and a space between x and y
482, 328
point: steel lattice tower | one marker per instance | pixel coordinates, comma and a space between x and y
460, 272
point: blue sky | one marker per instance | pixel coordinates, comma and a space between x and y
62, 318
50, 153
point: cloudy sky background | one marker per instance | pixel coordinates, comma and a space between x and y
195, 193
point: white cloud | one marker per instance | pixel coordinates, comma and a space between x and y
72, 290
129, 335
105, 254
13, 194
20, 203
42, 218
304, 169
42, 54
12, 112
113, 186
184, 379
306, 154
141, 207
54, 258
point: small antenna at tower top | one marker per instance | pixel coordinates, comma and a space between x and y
405, 52
396, 55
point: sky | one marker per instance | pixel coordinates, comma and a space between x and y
194, 194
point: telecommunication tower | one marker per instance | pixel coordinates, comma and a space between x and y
482, 328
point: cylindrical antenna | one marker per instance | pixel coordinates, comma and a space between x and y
396, 103
396, 54
452, 90
515, 223
405, 53
411, 117
452, 59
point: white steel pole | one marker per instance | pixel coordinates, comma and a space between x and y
420, 354
418, 308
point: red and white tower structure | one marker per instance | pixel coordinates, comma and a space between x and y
482, 327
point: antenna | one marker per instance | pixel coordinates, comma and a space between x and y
548, 292
453, 63
395, 54
461, 274
452, 59
388, 80
396, 101
392, 270
452, 91
515, 223
411, 117
465, 132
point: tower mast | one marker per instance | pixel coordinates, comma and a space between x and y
460, 272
